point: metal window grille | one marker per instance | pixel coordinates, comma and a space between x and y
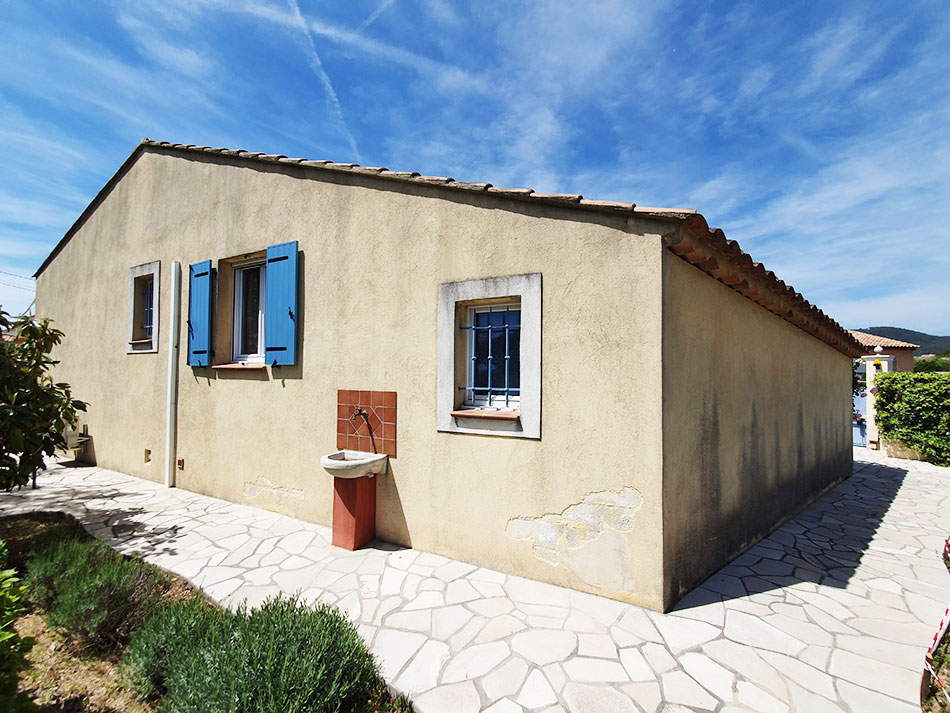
495, 388
147, 302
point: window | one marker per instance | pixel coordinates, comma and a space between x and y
489, 356
143, 308
249, 300
146, 307
254, 319
494, 370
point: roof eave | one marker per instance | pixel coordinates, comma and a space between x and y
710, 251
692, 239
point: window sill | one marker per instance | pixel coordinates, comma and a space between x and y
489, 414
141, 341
251, 367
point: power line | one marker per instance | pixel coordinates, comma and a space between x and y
13, 274
17, 287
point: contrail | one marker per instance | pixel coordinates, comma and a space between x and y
317, 67
372, 18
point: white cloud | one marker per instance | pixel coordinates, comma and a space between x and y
317, 67
173, 57
840, 54
816, 139
17, 210
923, 308
383, 6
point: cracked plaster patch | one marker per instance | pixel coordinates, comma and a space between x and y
262, 485
555, 537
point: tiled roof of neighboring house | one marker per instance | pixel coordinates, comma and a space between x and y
866, 339
690, 237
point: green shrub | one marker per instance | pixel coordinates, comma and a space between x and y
914, 408
12, 648
173, 632
281, 658
930, 365
93, 591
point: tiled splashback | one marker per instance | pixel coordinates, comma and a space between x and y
353, 434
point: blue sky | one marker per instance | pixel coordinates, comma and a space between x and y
815, 134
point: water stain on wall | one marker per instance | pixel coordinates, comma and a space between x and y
587, 537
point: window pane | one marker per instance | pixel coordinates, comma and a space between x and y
491, 372
250, 309
480, 368
498, 349
514, 351
147, 316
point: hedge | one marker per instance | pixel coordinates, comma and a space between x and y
914, 408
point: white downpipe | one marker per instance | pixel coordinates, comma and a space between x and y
171, 411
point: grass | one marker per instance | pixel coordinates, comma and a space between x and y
113, 634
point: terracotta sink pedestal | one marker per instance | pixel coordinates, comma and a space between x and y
354, 511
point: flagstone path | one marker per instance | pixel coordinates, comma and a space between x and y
832, 612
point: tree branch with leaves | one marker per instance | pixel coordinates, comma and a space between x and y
35, 411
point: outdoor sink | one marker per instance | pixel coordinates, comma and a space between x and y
354, 464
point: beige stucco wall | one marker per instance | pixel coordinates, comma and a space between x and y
757, 423
373, 255
903, 357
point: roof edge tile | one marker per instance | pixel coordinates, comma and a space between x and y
693, 241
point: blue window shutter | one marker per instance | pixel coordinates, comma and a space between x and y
199, 314
280, 310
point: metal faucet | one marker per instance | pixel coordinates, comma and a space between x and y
362, 412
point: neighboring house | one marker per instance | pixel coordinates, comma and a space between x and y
903, 352
658, 401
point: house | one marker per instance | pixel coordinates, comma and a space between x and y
903, 352
608, 397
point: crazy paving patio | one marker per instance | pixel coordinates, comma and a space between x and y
832, 612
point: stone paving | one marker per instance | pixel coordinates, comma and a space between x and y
832, 612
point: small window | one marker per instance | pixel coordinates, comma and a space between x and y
494, 356
249, 308
143, 308
489, 356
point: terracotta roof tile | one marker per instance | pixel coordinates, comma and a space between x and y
688, 236
512, 191
399, 174
613, 205
566, 197
866, 339
471, 186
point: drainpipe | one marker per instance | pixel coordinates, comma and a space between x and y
171, 411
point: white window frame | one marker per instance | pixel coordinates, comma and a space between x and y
453, 301
483, 401
238, 308
142, 346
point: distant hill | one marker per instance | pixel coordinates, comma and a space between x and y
929, 343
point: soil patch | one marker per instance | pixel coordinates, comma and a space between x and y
65, 677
